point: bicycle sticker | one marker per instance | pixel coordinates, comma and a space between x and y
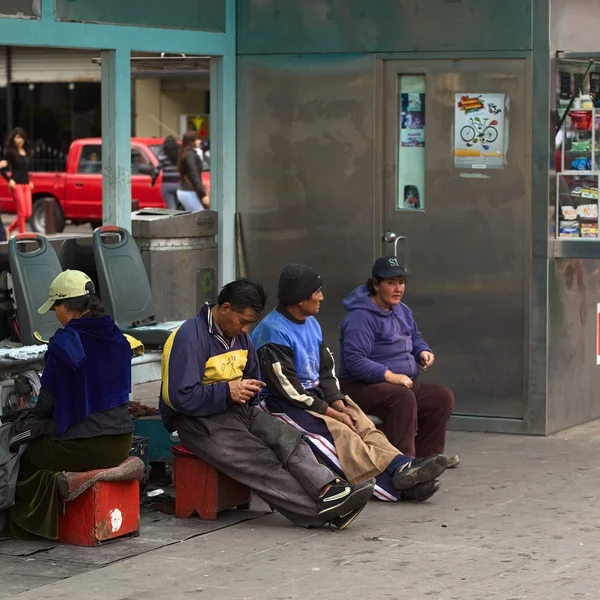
480, 126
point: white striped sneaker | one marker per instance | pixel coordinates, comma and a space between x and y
342, 498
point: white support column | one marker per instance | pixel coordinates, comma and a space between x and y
116, 138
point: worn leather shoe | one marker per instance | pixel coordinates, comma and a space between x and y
453, 461
71, 485
419, 470
421, 492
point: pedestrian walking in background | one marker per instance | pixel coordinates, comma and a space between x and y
191, 193
17, 157
167, 163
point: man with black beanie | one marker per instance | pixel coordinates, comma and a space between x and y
210, 385
302, 390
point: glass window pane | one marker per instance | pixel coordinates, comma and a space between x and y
91, 160
197, 15
411, 142
21, 9
137, 159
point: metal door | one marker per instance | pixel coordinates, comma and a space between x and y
466, 244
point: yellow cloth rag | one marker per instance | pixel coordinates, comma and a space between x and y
137, 348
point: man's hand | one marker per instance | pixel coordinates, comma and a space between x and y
342, 417
398, 379
244, 390
31, 185
338, 405
426, 358
348, 411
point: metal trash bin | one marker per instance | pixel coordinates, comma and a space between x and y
179, 251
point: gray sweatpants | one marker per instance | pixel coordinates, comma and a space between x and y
228, 442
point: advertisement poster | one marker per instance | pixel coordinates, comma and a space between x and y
412, 132
411, 153
480, 131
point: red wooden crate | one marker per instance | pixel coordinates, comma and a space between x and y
200, 488
107, 510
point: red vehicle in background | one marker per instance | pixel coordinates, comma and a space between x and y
78, 190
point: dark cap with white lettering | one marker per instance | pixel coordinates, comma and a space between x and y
387, 267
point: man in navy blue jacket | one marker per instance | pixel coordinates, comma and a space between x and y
210, 380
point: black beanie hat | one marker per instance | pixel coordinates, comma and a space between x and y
297, 283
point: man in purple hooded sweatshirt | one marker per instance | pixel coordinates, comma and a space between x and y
382, 351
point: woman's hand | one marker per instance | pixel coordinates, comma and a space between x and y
398, 379
427, 359
206, 202
12, 183
31, 185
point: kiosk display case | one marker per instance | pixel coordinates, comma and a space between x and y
578, 180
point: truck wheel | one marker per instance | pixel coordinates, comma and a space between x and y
38, 217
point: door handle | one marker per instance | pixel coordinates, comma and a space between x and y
79, 184
391, 237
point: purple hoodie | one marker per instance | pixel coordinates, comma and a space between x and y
374, 340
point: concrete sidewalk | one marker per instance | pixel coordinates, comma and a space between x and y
519, 519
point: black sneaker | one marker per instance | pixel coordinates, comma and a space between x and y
421, 492
419, 470
342, 498
347, 519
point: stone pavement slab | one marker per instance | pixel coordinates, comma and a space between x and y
518, 520
25, 565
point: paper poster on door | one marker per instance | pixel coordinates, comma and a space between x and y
411, 147
480, 131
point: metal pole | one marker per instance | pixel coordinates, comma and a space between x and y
32, 112
72, 109
9, 89
116, 138
50, 215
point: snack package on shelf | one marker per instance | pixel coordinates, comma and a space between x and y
589, 229
587, 211
569, 229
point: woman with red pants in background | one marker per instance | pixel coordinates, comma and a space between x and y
16, 161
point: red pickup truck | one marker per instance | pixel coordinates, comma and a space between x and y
78, 191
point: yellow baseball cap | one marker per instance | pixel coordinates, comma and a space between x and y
69, 284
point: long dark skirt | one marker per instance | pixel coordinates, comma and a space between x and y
37, 499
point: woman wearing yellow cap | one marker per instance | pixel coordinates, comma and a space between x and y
81, 420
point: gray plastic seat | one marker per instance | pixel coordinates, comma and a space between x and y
124, 287
33, 265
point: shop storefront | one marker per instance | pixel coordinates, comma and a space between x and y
430, 132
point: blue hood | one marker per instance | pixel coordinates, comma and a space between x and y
87, 370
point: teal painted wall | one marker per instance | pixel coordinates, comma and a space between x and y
199, 15
327, 26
